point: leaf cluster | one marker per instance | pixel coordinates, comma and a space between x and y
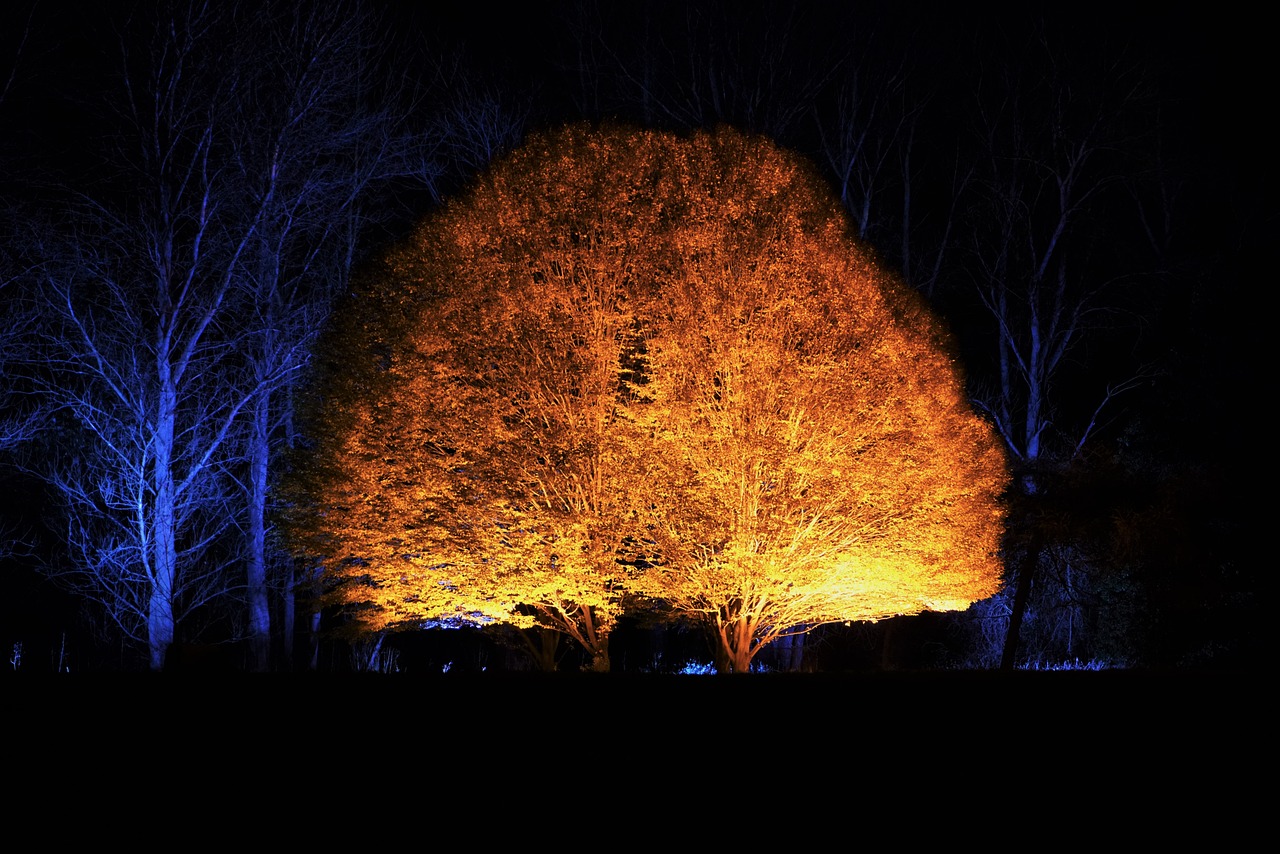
631, 366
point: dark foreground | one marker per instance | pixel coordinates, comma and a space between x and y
828, 711
1163, 753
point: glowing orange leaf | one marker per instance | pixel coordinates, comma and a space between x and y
630, 367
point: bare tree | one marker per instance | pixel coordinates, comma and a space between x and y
1042, 227
324, 151
184, 290
143, 340
310, 148
143, 407
758, 68
862, 133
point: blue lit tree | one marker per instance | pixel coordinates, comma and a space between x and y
320, 146
156, 358
308, 150
141, 344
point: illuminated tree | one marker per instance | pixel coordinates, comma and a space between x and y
633, 365
815, 415
498, 389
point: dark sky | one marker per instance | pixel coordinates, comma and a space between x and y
1211, 63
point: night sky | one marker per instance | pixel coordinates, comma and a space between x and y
1197, 323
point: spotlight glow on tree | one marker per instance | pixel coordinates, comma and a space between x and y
632, 366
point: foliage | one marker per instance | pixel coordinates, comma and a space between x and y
629, 364
817, 414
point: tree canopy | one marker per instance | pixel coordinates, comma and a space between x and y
632, 367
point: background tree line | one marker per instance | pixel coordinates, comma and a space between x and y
187, 196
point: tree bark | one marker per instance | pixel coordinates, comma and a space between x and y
1021, 595
736, 647
256, 569
160, 612
288, 618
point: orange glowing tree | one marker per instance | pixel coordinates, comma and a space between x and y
476, 452
631, 367
806, 404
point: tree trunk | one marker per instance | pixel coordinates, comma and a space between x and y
160, 621
288, 596
1021, 595
723, 661
596, 637
288, 619
313, 638
600, 662
258, 594
160, 614
735, 650
790, 652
